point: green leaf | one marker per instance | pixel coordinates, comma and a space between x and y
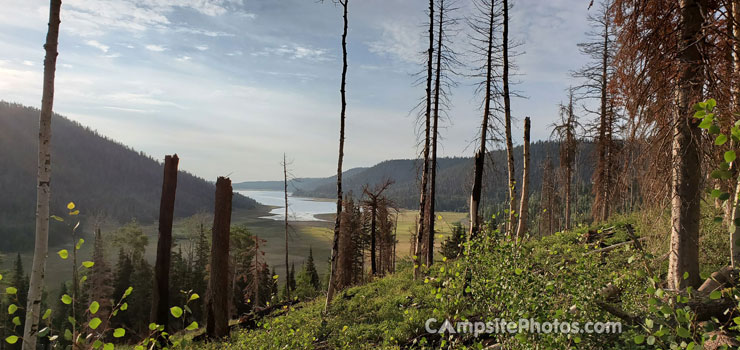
109, 346
711, 103
47, 314
11, 290
706, 123
518, 271
639, 339
124, 306
64, 254
17, 321
94, 307
12, 308
650, 340
12, 339
720, 140
57, 218
683, 332
193, 326
88, 264
176, 311
44, 332
195, 296
71, 205
128, 291
66, 299
94, 323
119, 333
715, 295
716, 193
152, 326
724, 196
685, 275
97, 344
714, 129
79, 244
730, 156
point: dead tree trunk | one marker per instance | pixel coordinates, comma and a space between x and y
524, 203
335, 241
43, 189
285, 187
218, 285
373, 240
421, 231
734, 228
686, 192
435, 133
160, 298
507, 116
480, 156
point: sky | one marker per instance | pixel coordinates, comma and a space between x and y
231, 85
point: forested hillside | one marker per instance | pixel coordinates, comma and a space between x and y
99, 174
454, 177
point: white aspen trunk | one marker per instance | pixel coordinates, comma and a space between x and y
43, 191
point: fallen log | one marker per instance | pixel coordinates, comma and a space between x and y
718, 280
615, 246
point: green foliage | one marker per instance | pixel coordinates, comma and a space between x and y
453, 246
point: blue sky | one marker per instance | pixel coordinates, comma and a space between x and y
229, 85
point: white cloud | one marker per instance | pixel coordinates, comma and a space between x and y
294, 52
202, 47
155, 48
398, 39
183, 58
28, 63
97, 45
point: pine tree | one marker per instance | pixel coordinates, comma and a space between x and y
311, 271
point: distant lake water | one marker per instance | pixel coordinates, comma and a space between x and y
299, 208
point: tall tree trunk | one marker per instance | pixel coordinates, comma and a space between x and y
335, 241
686, 211
160, 297
568, 182
285, 188
218, 284
603, 166
433, 179
734, 228
524, 203
373, 213
507, 116
480, 156
43, 189
421, 231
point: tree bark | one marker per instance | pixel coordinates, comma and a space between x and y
507, 116
285, 184
524, 203
734, 227
480, 156
218, 285
373, 213
335, 241
433, 179
160, 297
43, 189
420, 232
685, 211
603, 145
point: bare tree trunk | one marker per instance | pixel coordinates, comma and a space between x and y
43, 190
685, 213
160, 298
507, 116
568, 182
602, 165
734, 228
480, 156
335, 242
433, 180
218, 284
524, 203
285, 184
421, 231
373, 213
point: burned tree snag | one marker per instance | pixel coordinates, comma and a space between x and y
218, 285
160, 296
524, 203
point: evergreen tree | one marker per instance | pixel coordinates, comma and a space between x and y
310, 269
454, 245
291, 276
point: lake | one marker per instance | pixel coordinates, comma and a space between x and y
299, 208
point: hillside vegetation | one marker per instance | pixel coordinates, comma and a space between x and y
99, 174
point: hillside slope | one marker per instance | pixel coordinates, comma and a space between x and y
454, 177
100, 175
